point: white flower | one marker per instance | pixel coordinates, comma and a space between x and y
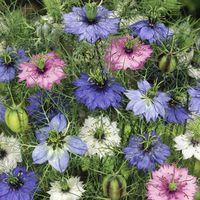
10, 153
185, 57
73, 192
188, 145
194, 72
101, 136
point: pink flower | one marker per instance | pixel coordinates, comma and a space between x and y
127, 52
42, 70
171, 183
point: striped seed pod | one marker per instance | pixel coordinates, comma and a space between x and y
167, 63
114, 187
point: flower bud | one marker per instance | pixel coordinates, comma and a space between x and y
114, 186
16, 119
167, 63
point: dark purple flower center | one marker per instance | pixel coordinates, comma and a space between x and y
173, 103
41, 66
129, 45
15, 182
3, 153
195, 141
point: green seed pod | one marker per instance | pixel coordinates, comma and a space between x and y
16, 119
196, 169
167, 63
114, 187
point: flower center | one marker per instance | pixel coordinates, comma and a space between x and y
15, 182
195, 140
55, 140
40, 64
99, 77
7, 59
129, 45
91, 11
172, 186
64, 186
99, 134
173, 102
3, 153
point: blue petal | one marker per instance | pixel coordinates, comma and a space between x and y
58, 123
76, 145
42, 134
40, 153
59, 160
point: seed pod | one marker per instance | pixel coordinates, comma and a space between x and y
114, 187
16, 119
167, 63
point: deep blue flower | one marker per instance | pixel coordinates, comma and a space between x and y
2, 112
176, 113
103, 24
147, 101
145, 151
20, 184
194, 103
154, 33
98, 95
43, 106
9, 62
54, 145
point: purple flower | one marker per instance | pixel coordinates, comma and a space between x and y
2, 112
94, 94
18, 185
147, 101
194, 103
43, 106
154, 33
54, 145
145, 151
9, 62
101, 26
176, 113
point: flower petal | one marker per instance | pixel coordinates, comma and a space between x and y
58, 123
39, 154
76, 145
59, 160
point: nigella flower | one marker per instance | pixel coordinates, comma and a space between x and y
101, 136
10, 153
43, 106
127, 53
176, 113
91, 22
145, 151
20, 184
170, 183
54, 145
9, 61
153, 32
98, 91
194, 103
42, 70
188, 144
2, 112
147, 101
70, 189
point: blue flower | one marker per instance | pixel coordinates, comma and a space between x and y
176, 113
145, 151
9, 62
2, 112
154, 33
20, 184
54, 145
147, 101
43, 106
194, 103
94, 95
101, 26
